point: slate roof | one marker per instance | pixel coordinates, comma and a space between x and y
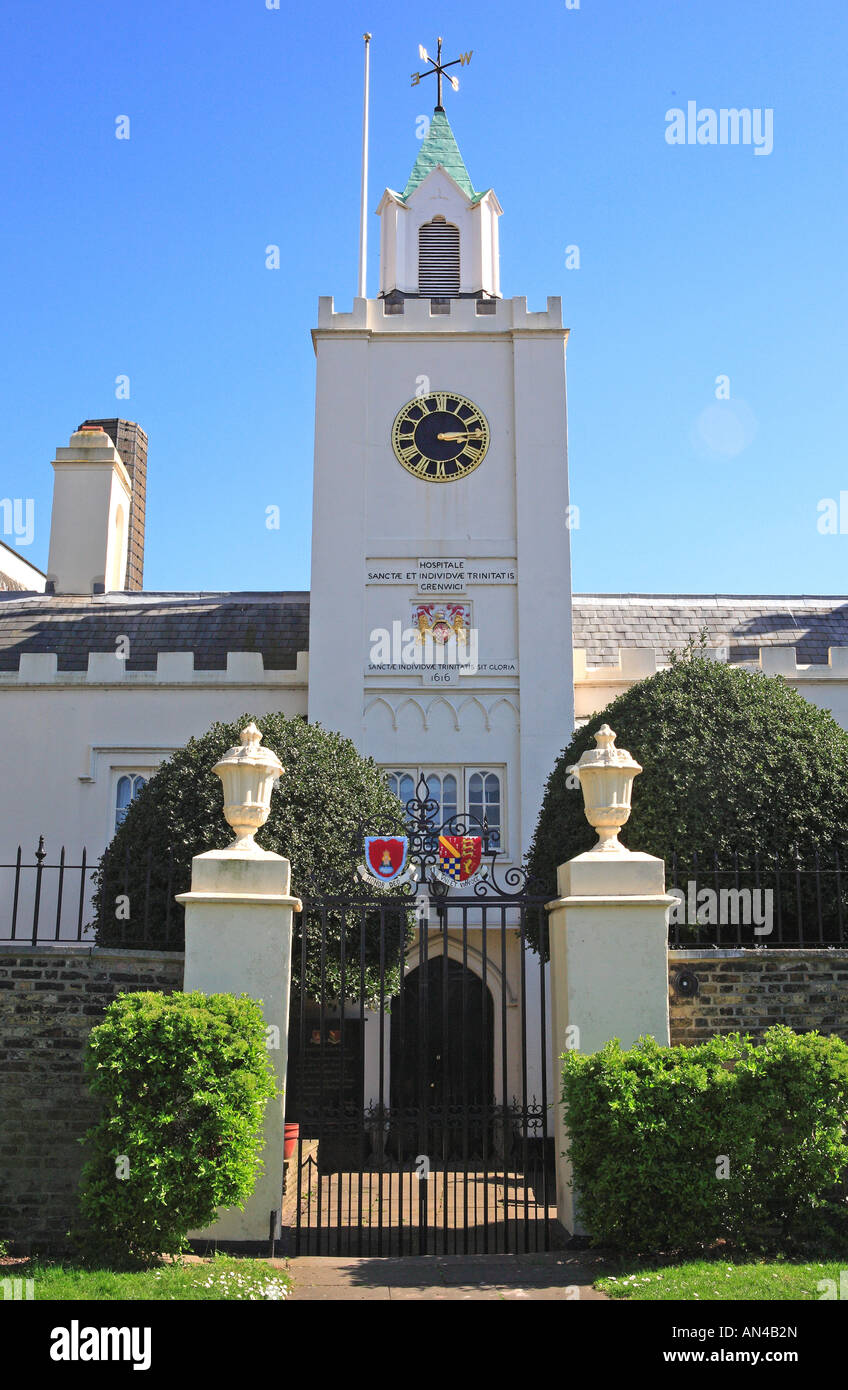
744, 622
439, 147
277, 625
209, 624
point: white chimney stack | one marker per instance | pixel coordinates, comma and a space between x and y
89, 523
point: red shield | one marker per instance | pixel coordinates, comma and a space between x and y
459, 856
385, 857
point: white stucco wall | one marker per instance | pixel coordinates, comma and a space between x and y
69, 738
371, 516
89, 523
823, 685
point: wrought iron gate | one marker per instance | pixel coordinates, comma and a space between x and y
418, 1068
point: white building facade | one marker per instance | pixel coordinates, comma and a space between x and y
440, 633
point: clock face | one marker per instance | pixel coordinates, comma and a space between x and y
440, 437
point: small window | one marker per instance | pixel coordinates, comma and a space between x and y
402, 784
438, 258
443, 790
484, 803
473, 792
129, 786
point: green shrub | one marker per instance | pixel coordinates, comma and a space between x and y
184, 1080
648, 1127
733, 762
327, 797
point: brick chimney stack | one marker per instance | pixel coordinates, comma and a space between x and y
130, 441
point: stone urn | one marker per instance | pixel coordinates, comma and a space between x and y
606, 775
248, 774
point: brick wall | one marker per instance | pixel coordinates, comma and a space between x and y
49, 1001
748, 991
51, 998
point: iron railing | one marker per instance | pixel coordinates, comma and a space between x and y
759, 900
44, 901
762, 900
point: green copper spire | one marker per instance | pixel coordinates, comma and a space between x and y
439, 147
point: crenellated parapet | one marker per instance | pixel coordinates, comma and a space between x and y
783, 661
172, 668
596, 686
448, 316
635, 663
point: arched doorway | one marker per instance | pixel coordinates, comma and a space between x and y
442, 1063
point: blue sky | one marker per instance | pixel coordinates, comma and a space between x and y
146, 257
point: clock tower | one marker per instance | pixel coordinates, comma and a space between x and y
440, 628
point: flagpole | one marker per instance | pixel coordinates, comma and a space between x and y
363, 211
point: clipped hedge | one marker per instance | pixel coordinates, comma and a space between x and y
327, 798
734, 762
651, 1129
184, 1080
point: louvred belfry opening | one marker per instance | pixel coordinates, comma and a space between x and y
439, 237
438, 258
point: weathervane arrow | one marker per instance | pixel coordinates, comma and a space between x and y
440, 69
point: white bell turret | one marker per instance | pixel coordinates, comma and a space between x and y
439, 237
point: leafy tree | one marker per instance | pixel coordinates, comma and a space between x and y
326, 798
734, 762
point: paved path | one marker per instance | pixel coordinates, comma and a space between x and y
382, 1211
519, 1278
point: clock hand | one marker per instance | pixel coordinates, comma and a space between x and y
460, 434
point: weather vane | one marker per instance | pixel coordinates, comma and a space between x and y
440, 69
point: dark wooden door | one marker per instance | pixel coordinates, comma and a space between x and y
442, 1059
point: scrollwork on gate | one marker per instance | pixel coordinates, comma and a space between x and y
500, 880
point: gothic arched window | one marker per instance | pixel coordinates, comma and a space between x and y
484, 801
129, 786
438, 258
442, 788
403, 785
475, 793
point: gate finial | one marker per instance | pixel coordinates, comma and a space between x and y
248, 774
606, 776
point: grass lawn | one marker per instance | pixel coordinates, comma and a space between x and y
216, 1279
720, 1279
